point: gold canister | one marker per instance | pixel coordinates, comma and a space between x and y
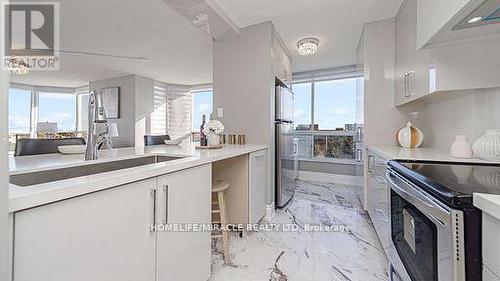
232, 139
223, 139
241, 139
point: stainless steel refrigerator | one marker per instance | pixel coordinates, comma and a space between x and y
286, 146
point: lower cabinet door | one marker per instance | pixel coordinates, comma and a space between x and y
258, 185
100, 236
184, 198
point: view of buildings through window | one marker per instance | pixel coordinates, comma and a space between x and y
325, 118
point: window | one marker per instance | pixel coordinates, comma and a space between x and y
325, 118
303, 99
335, 104
59, 108
19, 114
19, 111
202, 105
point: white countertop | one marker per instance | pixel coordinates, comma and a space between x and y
420, 154
488, 203
35, 195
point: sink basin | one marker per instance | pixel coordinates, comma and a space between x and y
86, 170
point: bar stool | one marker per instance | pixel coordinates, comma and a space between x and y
218, 188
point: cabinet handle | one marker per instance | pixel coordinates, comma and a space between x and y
153, 193
359, 155
165, 189
406, 85
370, 161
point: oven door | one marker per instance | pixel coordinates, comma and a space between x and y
427, 236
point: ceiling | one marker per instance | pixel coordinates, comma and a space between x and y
176, 51
336, 23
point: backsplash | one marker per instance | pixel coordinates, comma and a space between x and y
442, 117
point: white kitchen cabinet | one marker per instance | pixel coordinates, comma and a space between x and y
100, 236
426, 72
412, 66
184, 197
378, 197
490, 244
258, 185
281, 60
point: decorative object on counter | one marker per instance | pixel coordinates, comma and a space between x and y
47, 129
461, 148
111, 100
213, 129
410, 136
232, 139
223, 141
178, 141
72, 149
488, 146
242, 139
203, 137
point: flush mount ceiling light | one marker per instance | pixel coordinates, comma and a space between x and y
308, 46
17, 66
474, 19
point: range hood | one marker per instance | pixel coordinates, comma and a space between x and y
487, 13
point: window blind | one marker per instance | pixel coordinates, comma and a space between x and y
172, 113
159, 115
178, 111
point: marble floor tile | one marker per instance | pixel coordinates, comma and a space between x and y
351, 251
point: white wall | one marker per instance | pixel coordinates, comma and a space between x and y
126, 122
448, 114
4, 178
136, 105
243, 85
144, 106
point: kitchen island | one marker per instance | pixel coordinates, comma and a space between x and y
104, 226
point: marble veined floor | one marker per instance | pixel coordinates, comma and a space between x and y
349, 251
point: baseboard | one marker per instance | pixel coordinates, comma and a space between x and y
335, 178
270, 211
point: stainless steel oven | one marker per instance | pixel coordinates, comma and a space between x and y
427, 235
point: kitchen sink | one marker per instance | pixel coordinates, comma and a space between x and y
34, 178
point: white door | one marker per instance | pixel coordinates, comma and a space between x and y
187, 197
258, 186
101, 236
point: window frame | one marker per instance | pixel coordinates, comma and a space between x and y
312, 132
35, 98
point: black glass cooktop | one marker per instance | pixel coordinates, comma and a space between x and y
453, 183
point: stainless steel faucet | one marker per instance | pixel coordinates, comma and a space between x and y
98, 132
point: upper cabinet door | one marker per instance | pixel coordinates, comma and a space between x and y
100, 236
185, 198
412, 66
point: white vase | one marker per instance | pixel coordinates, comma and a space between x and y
461, 148
488, 146
410, 136
213, 140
